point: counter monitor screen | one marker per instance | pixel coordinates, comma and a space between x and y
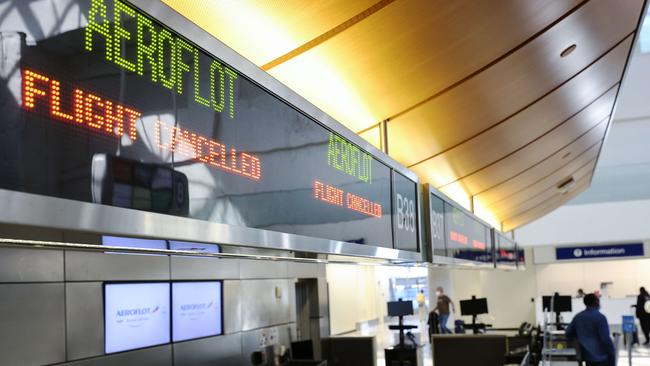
196, 310
103, 103
400, 308
473, 307
561, 304
136, 315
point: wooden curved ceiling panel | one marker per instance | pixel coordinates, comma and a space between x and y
531, 123
542, 148
413, 49
264, 30
511, 205
582, 177
513, 83
583, 150
545, 208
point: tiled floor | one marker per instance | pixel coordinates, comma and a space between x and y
640, 357
386, 338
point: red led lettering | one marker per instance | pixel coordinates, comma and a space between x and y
30, 91
89, 110
92, 103
363, 205
479, 245
42, 94
328, 193
458, 237
55, 107
204, 150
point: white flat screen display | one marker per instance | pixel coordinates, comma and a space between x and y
196, 247
136, 315
196, 310
119, 241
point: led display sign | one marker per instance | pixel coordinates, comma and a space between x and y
505, 250
466, 236
436, 229
112, 107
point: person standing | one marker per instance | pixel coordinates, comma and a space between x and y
443, 305
591, 330
642, 314
422, 305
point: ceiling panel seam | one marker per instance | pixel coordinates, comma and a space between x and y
545, 189
551, 204
491, 63
544, 177
535, 140
521, 209
327, 35
544, 208
526, 106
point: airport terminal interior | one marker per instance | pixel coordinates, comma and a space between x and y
324, 182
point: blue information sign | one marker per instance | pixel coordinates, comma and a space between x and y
603, 251
628, 324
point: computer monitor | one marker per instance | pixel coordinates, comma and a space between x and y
561, 304
473, 307
196, 310
136, 315
400, 308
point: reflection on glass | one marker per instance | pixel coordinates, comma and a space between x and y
100, 103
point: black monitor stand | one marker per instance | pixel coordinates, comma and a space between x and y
558, 322
476, 327
403, 354
401, 327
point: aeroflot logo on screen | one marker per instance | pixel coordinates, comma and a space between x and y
137, 311
191, 307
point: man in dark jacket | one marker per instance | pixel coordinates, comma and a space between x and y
642, 314
592, 331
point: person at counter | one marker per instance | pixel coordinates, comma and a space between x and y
580, 294
443, 305
642, 314
591, 330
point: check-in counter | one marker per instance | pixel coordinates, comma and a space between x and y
612, 308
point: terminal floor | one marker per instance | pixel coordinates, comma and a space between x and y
386, 338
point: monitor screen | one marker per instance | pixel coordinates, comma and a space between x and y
196, 310
561, 304
400, 308
473, 307
136, 315
466, 237
120, 241
195, 247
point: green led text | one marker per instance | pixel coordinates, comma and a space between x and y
169, 57
349, 159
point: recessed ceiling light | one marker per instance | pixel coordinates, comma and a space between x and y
566, 185
566, 155
567, 51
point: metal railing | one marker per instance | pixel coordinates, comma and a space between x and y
55, 245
